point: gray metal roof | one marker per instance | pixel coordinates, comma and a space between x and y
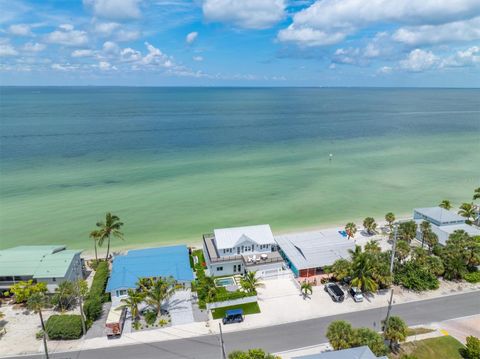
440, 214
315, 249
229, 237
447, 230
352, 353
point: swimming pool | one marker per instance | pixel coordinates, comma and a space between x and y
225, 282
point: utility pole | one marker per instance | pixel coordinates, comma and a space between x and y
224, 354
392, 259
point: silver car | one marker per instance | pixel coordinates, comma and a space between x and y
356, 294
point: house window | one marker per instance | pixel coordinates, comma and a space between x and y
121, 292
54, 279
219, 269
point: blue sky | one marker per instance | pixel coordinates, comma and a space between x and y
240, 42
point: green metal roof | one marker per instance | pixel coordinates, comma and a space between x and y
36, 261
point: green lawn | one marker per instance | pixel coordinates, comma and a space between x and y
248, 308
417, 331
445, 347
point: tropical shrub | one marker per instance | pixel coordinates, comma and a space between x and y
370, 338
65, 296
340, 334
413, 276
472, 277
64, 327
150, 317
251, 354
92, 308
472, 350
407, 230
23, 290
395, 331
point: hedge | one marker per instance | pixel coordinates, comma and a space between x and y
64, 327
97, 296
100, 282
472, 277
92, 308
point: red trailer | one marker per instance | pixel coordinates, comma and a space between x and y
115, 321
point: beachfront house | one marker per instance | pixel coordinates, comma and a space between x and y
50, 264
172, 261
362, 352
443, 222
307, 253
230, 251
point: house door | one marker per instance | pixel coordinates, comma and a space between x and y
238, 250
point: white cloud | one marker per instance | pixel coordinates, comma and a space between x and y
63, 67
66, 35
191, 37
249, 14
82, 53
130, 55
105, 28
385, 70
198, 58
329, 21
115, 9
20, 30
436, 34
7, 50
109, 47
34, 47
468, 57
156, 57
419, 60
106, 66
127, 35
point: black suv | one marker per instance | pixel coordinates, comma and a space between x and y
335, 292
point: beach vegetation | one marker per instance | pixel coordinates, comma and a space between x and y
95, 298
445, 204
107, 229
390, 218
340, 269
472, 277
351, 229
23, 290
373, 247
402, 250
64, 327
407, 230
362, 272
370, 225
133, 300
95, 236
65, 296
460, 255
476, 193
370, 338
414, 276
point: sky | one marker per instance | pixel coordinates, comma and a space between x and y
419, 43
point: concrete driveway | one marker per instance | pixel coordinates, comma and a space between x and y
180, 307
461, 328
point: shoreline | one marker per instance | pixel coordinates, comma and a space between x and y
197, 244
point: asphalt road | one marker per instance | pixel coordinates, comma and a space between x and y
287, 336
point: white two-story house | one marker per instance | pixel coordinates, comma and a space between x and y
237, 250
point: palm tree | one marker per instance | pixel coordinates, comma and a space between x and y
341, 268
445, 204
95, 235
362, 270
160, 290
351, 229
110, 228
306, 288
372, 247
402, 250
432, 240
476, 194
36, 302
467, 210
390, 218
250, 282
370, 225
132, 302
407, 230
425, 228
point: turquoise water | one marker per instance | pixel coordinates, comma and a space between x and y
174, 163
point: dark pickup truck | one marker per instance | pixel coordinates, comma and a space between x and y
335, 292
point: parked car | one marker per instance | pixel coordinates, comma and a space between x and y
356, 294
335, 292
233, 316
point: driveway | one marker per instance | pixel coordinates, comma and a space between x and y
180, 307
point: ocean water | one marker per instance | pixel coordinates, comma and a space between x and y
174, 163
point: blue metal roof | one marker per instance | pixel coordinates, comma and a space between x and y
232, 312
153, 262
